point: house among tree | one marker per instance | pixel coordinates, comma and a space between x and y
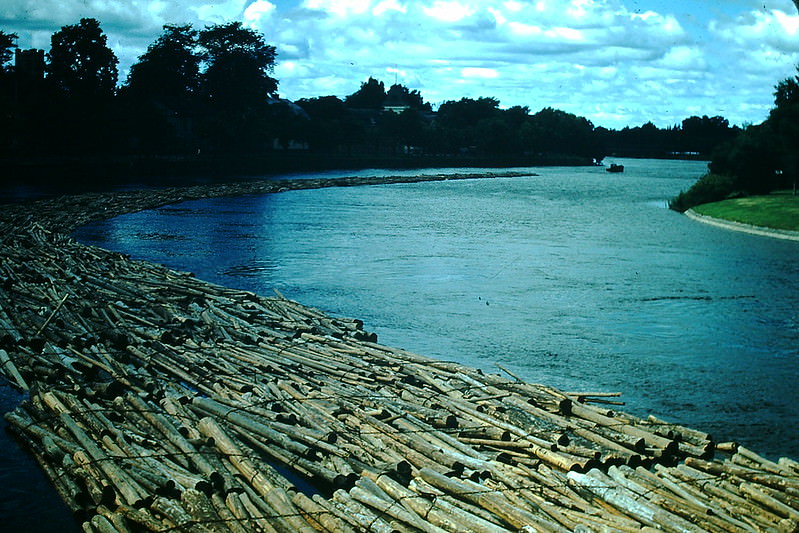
397, 99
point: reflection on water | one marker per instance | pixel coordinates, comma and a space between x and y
574, 278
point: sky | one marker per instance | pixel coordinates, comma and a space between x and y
616, 62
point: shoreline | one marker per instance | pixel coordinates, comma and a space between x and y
160, 401
743, 228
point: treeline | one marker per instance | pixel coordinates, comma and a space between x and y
211, 93
760, 159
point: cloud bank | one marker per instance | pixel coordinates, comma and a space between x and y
616, 62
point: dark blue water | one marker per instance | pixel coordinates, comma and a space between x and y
575, 278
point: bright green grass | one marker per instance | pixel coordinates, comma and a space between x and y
779, 210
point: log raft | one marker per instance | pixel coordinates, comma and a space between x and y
160, 402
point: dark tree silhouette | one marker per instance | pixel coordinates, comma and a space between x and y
7, 46
162, 93
332, 126
552, 131
371, 95
169, 72
703, 134
80, 64
238, 62
9, 123
82, 73
399, 95
787, 91
236, 87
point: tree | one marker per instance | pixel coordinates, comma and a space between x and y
238, 62
332, 125
7, 46
235, 87
8, 105
162, 93
703, 134
459, 123
787, 91
82, 74
467, 111
80, 64
169, 72
399, 95
553, 131
784, 120
371, 95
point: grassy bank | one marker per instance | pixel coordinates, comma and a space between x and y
779, 210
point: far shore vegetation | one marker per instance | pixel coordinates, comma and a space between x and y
760, 159
779, 210
205, 100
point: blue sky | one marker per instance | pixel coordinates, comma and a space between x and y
616, 62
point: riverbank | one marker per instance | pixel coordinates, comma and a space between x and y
157, 401
85, 173
775, 215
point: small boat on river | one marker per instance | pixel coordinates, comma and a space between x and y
615, 168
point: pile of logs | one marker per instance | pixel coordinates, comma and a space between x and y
159, 402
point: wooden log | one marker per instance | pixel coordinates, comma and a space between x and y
240, 506
8, 368
200, 508
230, 520
168, 430
754, 493
129, 489
367, 489
740, 508
757, 476
678, 432
492, 501
436, 511
655, 441
642, 511
262, 478
315, 513
209, 406
117, 520
358, 514
175, 513
763, 463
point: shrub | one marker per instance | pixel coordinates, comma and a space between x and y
709, 188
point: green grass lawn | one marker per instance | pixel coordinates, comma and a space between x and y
779, 210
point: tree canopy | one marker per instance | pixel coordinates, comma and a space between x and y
80, 63
237, 65
760, 159
7, 46
169, 71
212, 91
371, 95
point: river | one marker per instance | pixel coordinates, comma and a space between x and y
573, 277
576, 278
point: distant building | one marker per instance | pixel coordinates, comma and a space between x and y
396, 100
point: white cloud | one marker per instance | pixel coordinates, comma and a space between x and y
683, 58
387, 6
448, 11
479, 72
339, 8
219, 12
258, 10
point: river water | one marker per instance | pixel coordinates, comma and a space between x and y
574, 277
